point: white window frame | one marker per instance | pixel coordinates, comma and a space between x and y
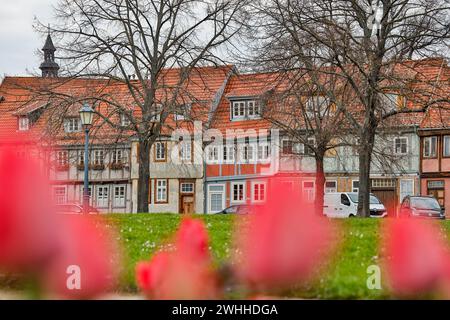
255, 107
244, 193
353, 186
124, 120
309, 193
98, 158
308, 151
445, 153
72, 124
156, 113
24, 123
183, 113
395, 145
160, 151
120, 201
64, 196
328, 189
430, 140
263, 153
117, 156
213, 154
185, 150
102, 201
401, 191
238, 110
187, 191
259, 183
222, 193
162, 188
247, 153
229, 153
62, 158
91, 198
282, 147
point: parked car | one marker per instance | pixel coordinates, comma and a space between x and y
237, 209
73, 208
345, 205
418, 206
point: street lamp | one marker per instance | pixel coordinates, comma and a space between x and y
86, 115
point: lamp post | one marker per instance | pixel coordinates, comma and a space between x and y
86, 115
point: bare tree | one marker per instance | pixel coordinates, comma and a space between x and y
305, 114
368, 44
132, 45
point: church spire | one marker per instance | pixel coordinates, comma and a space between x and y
49, 67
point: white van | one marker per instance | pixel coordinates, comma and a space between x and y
345, 205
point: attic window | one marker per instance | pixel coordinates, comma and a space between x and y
124, 120
24, 123
245, 109
392, 101
72, 125
183, 112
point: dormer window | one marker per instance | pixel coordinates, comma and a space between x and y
24, 124
183, 112
392, 101
245, 109
156, 113
124, 120
72, 125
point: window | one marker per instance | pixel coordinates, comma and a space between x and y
317, 105
436, 188
238, 192
259, 192
355, 186
245, 109
216, 197
263, 151
446, 146
99, 158
429, 147
117, 157
60, 195
345, 200
124, 120
24, 124
287, 147
89, 193
62, 158
186, 150
161, 191
406, 188
213, 154
309, 190
401, 145
187, 187
228, 153
309, 150
330, 186
160, 151
183, 112
156, 113
119, 196
392, 101
72, 125
102, 196
81, 158
238, 111
247, 153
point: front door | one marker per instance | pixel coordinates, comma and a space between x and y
187, 196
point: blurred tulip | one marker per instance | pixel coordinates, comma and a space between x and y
282, 242
415, 256
186, 272
87, 264
27, 222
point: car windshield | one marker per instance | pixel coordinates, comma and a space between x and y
425, 203
354, 198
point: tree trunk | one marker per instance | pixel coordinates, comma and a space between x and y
144, 176
320, 185
365, 159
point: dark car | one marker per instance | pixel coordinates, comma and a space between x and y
427, 207
74, 209
237, 209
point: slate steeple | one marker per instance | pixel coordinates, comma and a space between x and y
49, 67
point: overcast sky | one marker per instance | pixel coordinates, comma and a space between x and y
18, 40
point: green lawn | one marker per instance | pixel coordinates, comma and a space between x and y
345, 278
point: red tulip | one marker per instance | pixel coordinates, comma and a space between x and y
283, 241
87, 264
415, 256
27, 222
184, 273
